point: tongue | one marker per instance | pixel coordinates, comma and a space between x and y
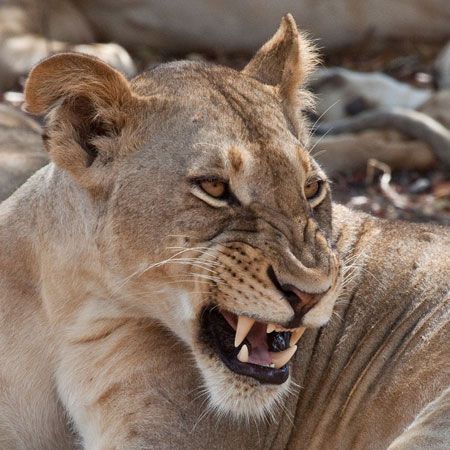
259, 353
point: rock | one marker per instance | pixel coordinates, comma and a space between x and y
241, 25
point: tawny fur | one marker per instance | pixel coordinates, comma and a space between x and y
110, 253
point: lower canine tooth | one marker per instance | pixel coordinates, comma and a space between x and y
243, 354
282, 358
296, 335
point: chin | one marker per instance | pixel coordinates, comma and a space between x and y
244, 383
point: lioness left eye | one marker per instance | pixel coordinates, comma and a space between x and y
313, 189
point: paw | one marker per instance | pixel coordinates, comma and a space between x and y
113, 54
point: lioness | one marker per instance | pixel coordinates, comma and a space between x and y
158, 275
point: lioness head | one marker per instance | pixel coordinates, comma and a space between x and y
211, 216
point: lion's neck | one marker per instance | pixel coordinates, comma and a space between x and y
364, 358
327, 367
340, 369
47, 229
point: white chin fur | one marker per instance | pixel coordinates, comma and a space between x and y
238, 396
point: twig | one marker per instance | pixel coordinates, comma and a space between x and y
398, 200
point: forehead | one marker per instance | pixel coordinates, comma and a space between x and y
250, 107
224, 109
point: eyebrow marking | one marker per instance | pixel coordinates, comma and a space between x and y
235, 158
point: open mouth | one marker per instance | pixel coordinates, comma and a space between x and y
255, 349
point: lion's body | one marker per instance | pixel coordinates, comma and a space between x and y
363, 378
114, 257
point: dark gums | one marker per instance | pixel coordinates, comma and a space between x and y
217, 333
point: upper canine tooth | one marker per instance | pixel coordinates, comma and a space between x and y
282, 358
296, 335
244, 325
270, 328
242, 356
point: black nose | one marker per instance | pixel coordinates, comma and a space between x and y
300, 301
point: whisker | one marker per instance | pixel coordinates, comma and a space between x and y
318, 141
313, 126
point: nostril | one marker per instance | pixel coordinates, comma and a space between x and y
299, 300
287, 291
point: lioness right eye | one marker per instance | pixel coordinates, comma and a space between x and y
214, 191
312, 189
214, 188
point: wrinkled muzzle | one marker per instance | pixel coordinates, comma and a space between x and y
260, 300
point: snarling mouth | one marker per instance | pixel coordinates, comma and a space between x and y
255, 349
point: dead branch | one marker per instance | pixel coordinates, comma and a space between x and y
412, 123
349, 152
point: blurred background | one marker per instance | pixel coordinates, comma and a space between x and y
381, 128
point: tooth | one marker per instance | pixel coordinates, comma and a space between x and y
280, 329
243, 354
270, 328
282, 358
243, 327
296, 335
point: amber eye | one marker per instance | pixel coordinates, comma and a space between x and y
214, 188
312, 189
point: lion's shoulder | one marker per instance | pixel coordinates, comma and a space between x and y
21, 152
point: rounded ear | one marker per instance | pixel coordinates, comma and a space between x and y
68, 75
89, 103
285, 62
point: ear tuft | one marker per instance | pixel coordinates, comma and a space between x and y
285, 62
